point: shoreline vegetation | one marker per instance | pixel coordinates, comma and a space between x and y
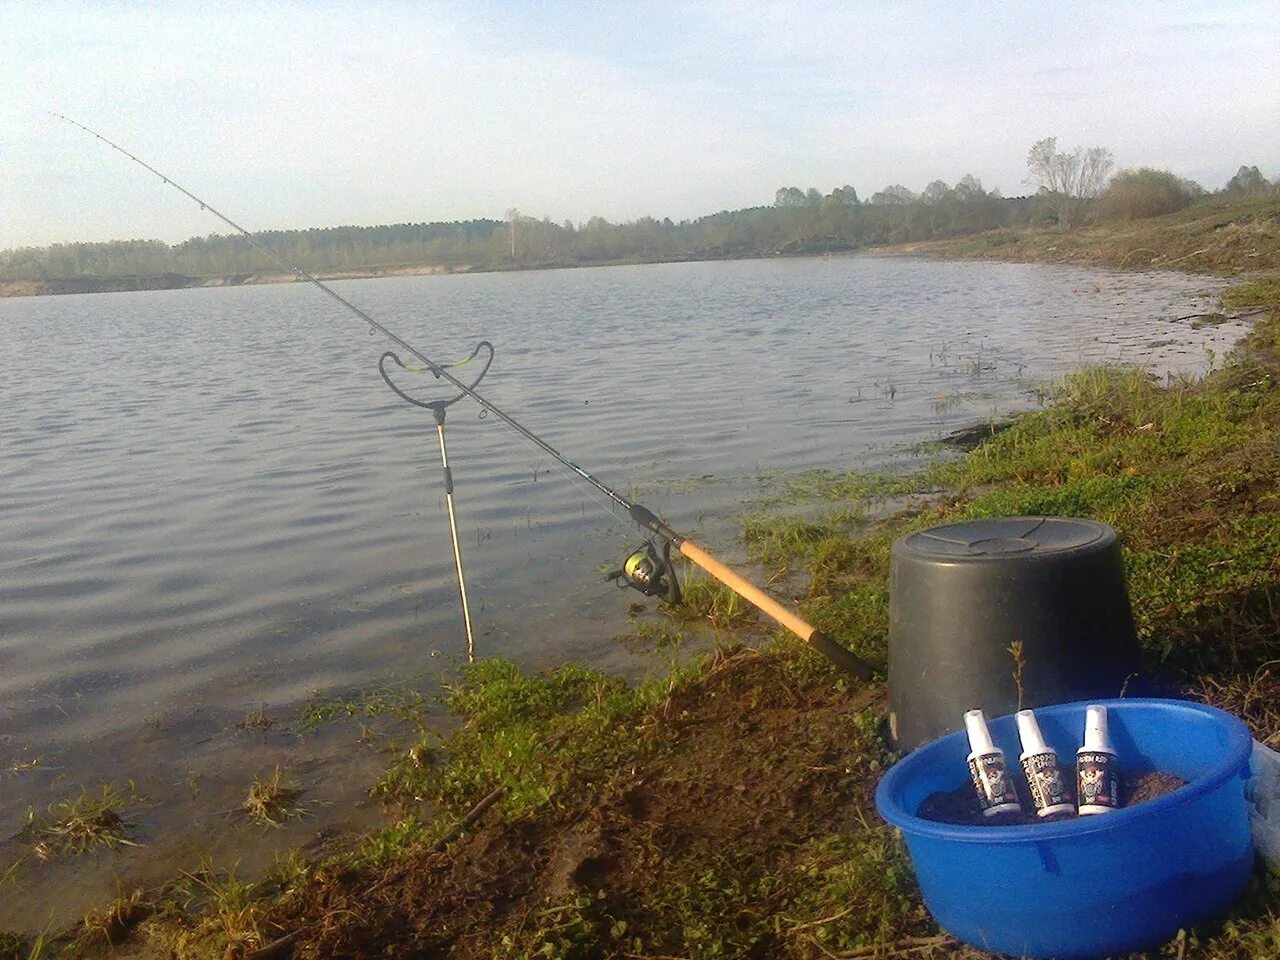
722, 807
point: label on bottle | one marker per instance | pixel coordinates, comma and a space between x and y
1045, 780
991, 780
1097, 782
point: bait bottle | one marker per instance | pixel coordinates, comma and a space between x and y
1097, 776
1040, 765
988, 769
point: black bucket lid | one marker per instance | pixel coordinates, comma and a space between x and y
1000, 538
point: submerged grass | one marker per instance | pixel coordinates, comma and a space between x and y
709, 600
90, 821
780, 540
272, 800
398, 702
17, 947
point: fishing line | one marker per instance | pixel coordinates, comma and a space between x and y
609, 507
636, 570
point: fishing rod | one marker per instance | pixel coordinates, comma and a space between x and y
645, 569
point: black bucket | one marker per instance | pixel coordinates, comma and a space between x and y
964, 594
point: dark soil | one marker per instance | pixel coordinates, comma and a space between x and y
741, 761
960, 806
1148, 786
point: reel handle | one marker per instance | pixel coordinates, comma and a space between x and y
750, 592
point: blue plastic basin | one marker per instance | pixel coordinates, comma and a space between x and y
1093, 886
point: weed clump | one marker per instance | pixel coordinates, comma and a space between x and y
82, 824
391, 701
705, 598
272, 801
111, 924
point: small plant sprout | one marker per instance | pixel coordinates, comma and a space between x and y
256, 720
1019, 664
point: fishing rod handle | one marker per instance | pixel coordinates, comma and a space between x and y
749, 591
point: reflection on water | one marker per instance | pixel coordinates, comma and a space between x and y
209, 500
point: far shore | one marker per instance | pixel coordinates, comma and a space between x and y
178, 281
1200, 239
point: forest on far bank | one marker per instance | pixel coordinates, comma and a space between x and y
1074, 187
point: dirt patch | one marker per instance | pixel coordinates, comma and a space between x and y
747, 760
960, 806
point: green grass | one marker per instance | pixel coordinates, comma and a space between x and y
1258, 293
229, 908
853, 890
708, 600
852, 486
777, 540
385, 845
538, 737
398, 702
841, 892
91, 821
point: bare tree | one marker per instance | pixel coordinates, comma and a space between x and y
1070, 178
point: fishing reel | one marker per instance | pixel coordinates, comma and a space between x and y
650, 572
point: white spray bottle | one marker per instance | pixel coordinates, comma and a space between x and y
1040, 765
988, 769
1097, 776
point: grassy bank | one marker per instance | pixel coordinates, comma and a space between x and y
1219, 235
724, 807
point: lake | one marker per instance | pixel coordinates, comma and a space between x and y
210, 502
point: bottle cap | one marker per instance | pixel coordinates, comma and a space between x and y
1095, 729
1029, 733
980, 741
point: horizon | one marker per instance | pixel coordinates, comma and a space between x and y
407, 114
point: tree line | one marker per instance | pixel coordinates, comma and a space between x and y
1072, 186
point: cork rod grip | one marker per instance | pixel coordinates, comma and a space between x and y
753, 594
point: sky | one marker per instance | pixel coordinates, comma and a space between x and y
294, 115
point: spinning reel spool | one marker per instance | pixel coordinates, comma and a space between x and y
650, 572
